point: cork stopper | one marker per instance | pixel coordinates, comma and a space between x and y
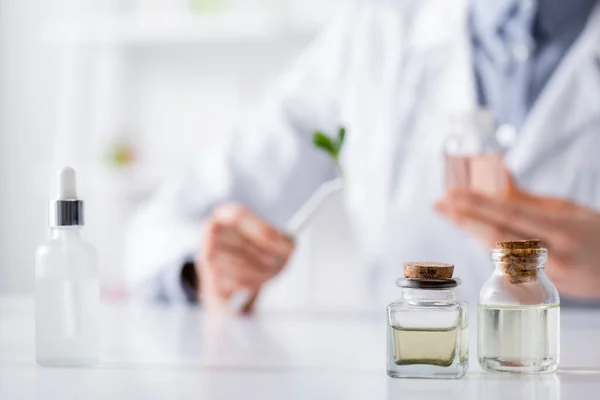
520, 259
428, 270
519, 244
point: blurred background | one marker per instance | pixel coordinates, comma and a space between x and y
127, 92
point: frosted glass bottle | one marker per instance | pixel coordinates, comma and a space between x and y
66, 286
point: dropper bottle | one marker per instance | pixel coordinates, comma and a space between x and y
66, 285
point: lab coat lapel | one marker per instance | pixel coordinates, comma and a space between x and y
438, 80
444, 55
567, 107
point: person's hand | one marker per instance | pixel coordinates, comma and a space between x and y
238, 251
570, 232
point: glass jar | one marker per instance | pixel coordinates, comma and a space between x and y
519, 312
473, 155
427, 330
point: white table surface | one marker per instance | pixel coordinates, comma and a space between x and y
179, 353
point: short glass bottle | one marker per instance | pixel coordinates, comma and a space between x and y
519, 312
473, 155
427, 334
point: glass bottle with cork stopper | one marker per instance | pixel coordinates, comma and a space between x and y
427, 327
519, 312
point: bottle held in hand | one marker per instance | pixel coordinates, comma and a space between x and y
473, 156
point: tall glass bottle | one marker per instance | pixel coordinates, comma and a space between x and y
66, 285
473, 156
519, 312
427, 327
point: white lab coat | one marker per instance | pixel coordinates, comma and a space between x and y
391, 72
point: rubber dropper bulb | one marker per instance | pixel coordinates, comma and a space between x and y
67, 187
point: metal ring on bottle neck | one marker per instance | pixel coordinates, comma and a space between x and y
430, 284
66, 213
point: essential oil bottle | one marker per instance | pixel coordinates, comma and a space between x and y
473, 155
66, 285
519, 312
427, 327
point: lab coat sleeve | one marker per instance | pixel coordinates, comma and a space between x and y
270, 166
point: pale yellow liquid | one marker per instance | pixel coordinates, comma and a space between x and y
428, 346
521, 339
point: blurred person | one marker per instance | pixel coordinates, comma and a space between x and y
392, 72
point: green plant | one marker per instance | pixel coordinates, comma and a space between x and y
331, 145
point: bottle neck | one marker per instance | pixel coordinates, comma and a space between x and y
501, 268
521, 274
425, 295
520, 265
64, 232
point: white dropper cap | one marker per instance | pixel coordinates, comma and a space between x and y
67, 186
66, 209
